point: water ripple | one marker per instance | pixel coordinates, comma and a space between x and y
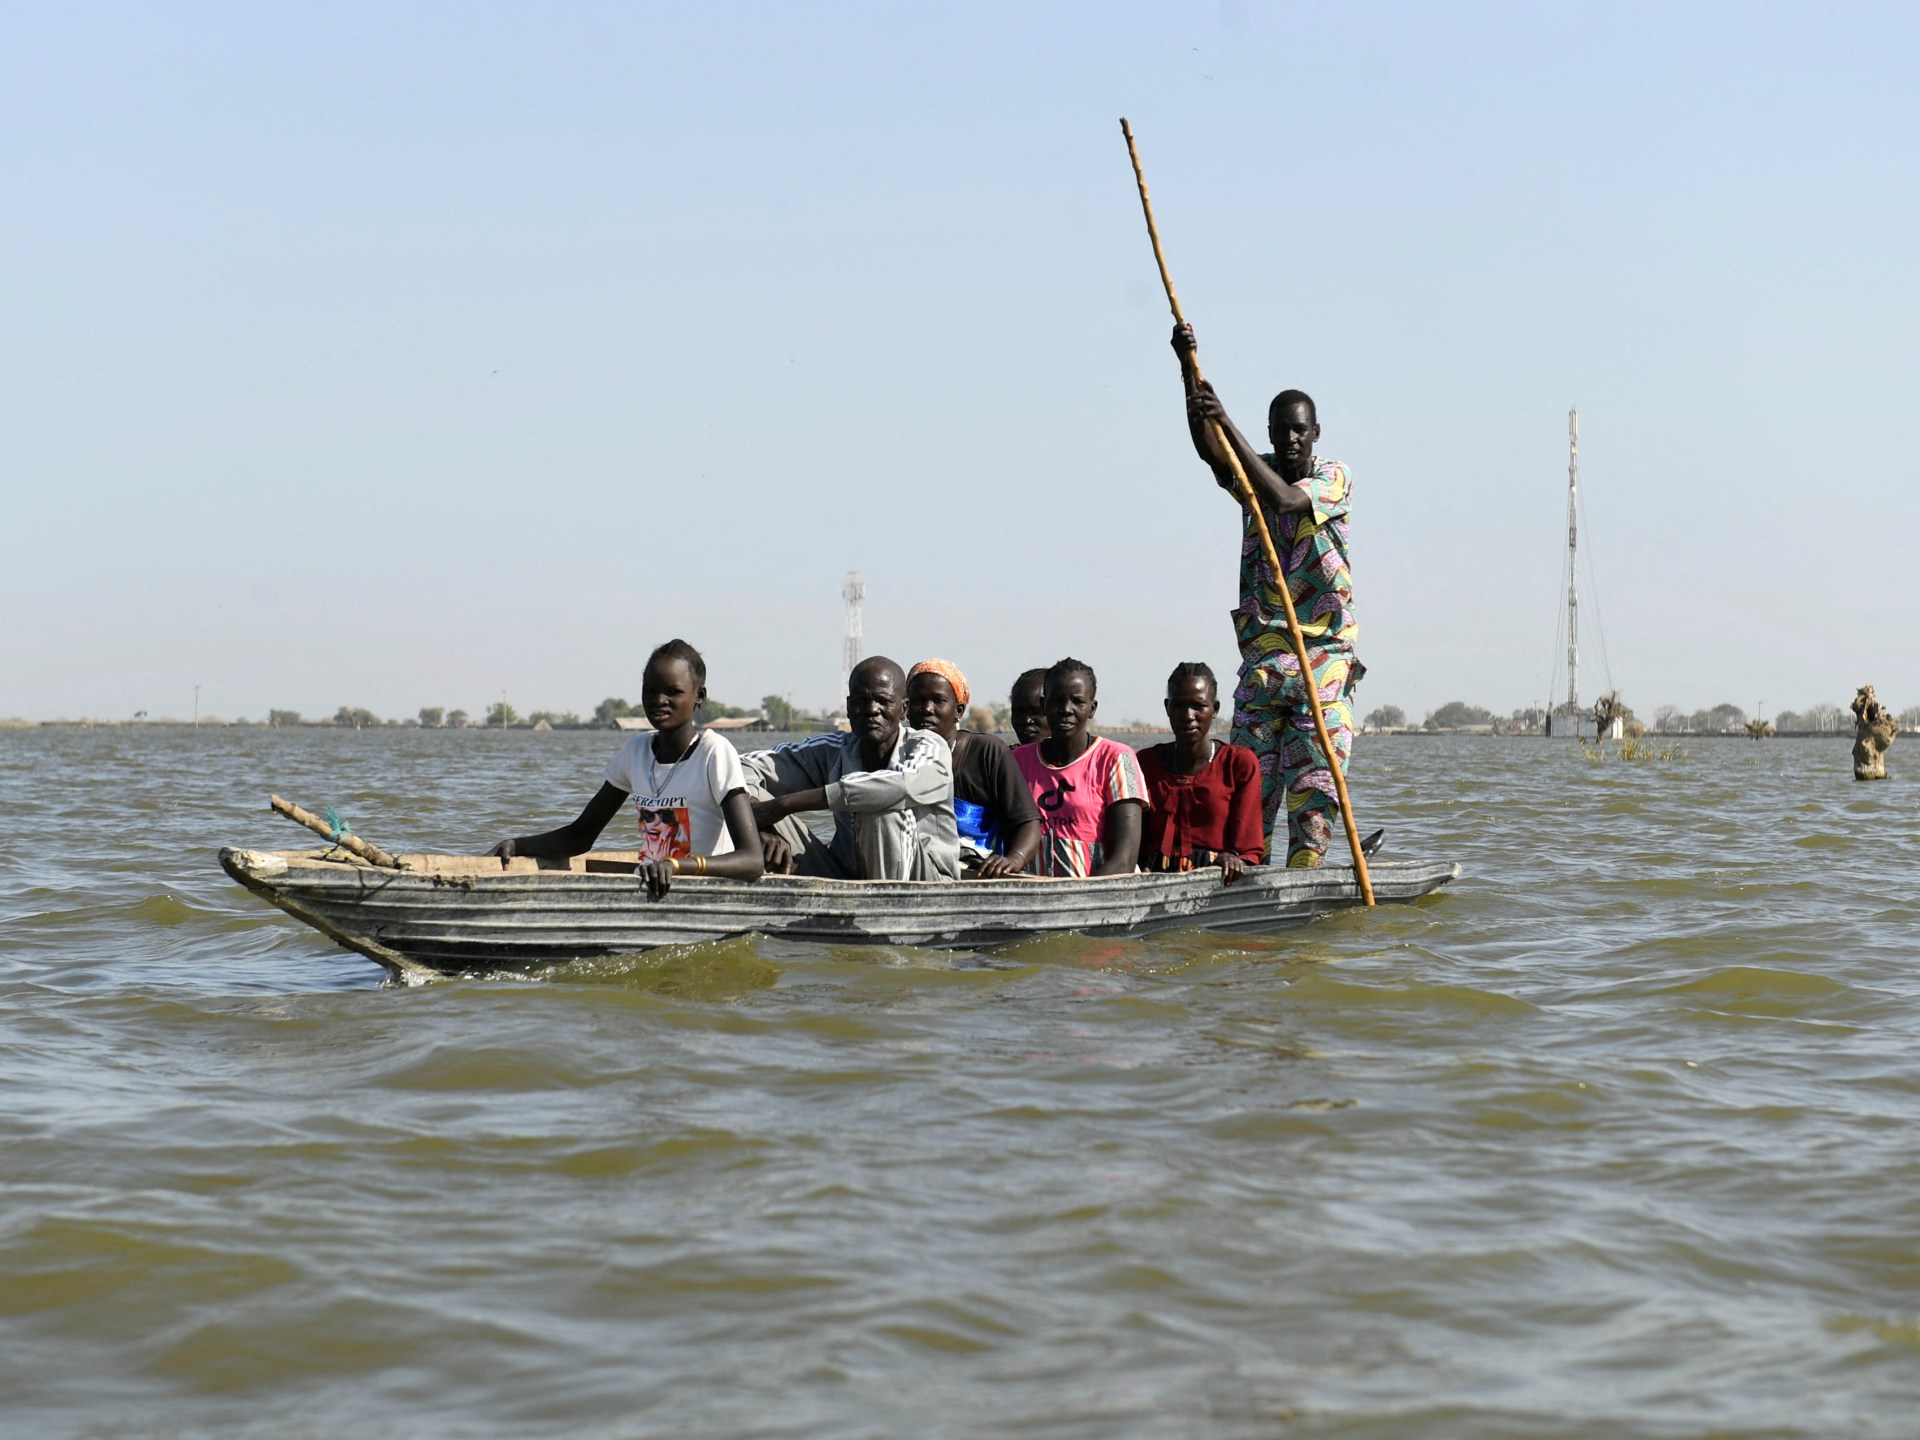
1613, 1139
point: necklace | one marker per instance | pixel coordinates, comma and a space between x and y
653, 762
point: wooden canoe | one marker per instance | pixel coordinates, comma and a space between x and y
444, 914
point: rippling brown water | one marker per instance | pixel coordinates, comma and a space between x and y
1615, 1138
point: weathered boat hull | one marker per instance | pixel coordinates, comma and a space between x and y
447, 914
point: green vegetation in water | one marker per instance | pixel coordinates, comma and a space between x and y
1631, 748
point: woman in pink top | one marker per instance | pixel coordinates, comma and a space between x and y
1089, 788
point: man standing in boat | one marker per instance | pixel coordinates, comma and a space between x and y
1304, 499
890, 790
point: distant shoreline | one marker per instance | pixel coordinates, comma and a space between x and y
609, 730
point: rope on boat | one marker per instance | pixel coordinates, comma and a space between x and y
336, 830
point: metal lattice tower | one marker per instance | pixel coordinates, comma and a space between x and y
853, 592
1573, 549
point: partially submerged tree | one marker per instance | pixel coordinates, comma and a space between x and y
1727, 717
1874, 729
1610, 709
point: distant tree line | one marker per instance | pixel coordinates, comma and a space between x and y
1459, 715
503, 716
1833, 720
1719, 720
1725, 719
613, 709
358, 717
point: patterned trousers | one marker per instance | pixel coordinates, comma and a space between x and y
1271, 718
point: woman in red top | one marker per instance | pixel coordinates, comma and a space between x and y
1203, 795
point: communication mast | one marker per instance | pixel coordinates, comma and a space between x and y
1573, 550
1567, 712
853, 592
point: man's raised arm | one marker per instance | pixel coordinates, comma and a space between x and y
1204, 411
1205, 445
925, 777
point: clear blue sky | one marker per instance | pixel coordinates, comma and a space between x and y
394, 356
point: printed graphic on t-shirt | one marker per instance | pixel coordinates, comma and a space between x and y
666, 832
1053, 793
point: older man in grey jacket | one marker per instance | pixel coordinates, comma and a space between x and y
890, 790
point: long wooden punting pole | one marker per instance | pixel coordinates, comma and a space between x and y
1266, 543
370, 853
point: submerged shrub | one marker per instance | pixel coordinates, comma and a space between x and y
1631, 748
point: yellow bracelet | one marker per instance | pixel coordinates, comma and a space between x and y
675, 864
700, 861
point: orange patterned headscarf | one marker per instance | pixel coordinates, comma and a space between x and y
949, 672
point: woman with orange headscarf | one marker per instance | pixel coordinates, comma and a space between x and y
998, 821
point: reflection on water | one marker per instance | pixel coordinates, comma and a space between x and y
1613, 1138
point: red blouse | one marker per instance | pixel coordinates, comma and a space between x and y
1218, 809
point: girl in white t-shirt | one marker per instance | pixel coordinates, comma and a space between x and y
688, 791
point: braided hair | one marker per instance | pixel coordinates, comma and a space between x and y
682, 651
1060, 670
1193, 670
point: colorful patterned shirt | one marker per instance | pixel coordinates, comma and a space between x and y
1312, 545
